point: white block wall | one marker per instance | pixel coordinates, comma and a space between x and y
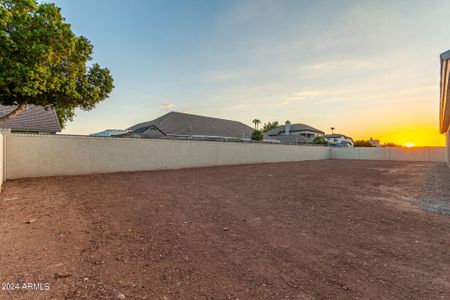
49, 155
29, 155
428, 154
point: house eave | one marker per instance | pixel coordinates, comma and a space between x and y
444, 111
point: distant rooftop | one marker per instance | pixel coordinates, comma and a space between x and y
293, 128
183, 124
336, 135
109, 132
32, 119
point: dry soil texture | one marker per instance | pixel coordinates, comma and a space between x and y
330, 229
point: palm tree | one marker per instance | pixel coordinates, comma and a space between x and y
256, 122
332, 130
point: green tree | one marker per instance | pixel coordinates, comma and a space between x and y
42, 62
362, 143
64, 114
270, 125
320, 140
257, 135
390, 145
256, 122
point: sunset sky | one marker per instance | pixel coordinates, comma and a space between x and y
367, 68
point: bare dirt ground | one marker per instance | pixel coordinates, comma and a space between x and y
308, 230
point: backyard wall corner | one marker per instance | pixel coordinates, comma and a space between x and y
425, 154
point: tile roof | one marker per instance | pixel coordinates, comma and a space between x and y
183, 124
32, 119
294, 127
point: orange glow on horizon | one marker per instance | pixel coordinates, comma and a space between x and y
414, 136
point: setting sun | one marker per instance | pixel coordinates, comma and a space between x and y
409, 145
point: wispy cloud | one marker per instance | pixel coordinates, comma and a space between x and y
239, 106
340, 65
300, 96
167, 105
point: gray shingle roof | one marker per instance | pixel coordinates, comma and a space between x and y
294, 127
109, 132
336, 135
183, 124
32, 119
291, 139
445, 55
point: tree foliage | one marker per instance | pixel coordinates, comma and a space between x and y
64, 114
270, 125
389, 144
256, 122
320, 140
42, 62
362, 143
257, 135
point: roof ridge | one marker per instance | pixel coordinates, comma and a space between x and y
196, 115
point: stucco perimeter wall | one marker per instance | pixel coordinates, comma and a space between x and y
48, 155
430, 154
447, 149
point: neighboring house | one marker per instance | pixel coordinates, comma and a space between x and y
109, 132
34, 119
374, 143
339, 140
444, 105
189, 126
294, 133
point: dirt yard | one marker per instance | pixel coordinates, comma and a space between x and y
308, 230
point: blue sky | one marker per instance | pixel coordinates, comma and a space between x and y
368, 68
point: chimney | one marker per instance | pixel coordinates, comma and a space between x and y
287, 128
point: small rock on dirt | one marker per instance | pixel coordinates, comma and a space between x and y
10, 199
255, 221
61, 275
120, 296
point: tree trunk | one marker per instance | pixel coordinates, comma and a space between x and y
14, 113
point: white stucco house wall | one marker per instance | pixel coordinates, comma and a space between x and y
444, 109
339, 140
